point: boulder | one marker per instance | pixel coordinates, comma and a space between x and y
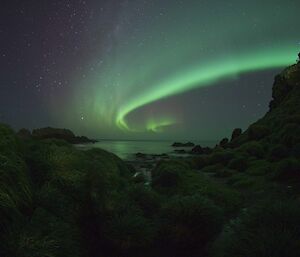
224, 142
180, 151
236, 133
197, 150
140, 155
178, 144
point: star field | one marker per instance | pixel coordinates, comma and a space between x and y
143, 69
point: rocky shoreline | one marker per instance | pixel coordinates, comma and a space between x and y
142, 164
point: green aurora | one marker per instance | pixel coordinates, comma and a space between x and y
172, 49
198, 77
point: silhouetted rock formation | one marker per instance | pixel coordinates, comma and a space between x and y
224, 142
178, 144
281, 124
65, 134
180, 151
197, 150
140, 155
236, 133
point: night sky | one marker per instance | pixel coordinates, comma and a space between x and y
143, 69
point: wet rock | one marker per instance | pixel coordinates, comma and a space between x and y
197, 150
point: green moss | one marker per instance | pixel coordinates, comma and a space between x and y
200, 162
224, 173
278, 152
221, 156
254, 149
212, 168
288, 169
240, 164
183, 219
259, 168
290, 134
258, 132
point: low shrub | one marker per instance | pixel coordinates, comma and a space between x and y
290, 134
287, 169
258, 132
188, 225
224, 173
270, 229
278, 152
212, 168
242, 181
259, 168
221, 156
240, 164
146, 199
200, 161
254, 149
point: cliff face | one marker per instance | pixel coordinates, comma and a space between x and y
281, 124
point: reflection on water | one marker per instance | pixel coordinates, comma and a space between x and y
127, 149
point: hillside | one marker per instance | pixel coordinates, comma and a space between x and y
280, 125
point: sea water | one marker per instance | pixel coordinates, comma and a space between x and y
126, 149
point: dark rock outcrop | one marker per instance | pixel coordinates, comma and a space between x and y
178, 144
224, 142
236, 133
281, 124
64, 134
180, 151
140, 155
197, 150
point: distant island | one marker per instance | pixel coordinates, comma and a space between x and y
178, 144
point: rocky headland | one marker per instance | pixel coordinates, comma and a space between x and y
54, 133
